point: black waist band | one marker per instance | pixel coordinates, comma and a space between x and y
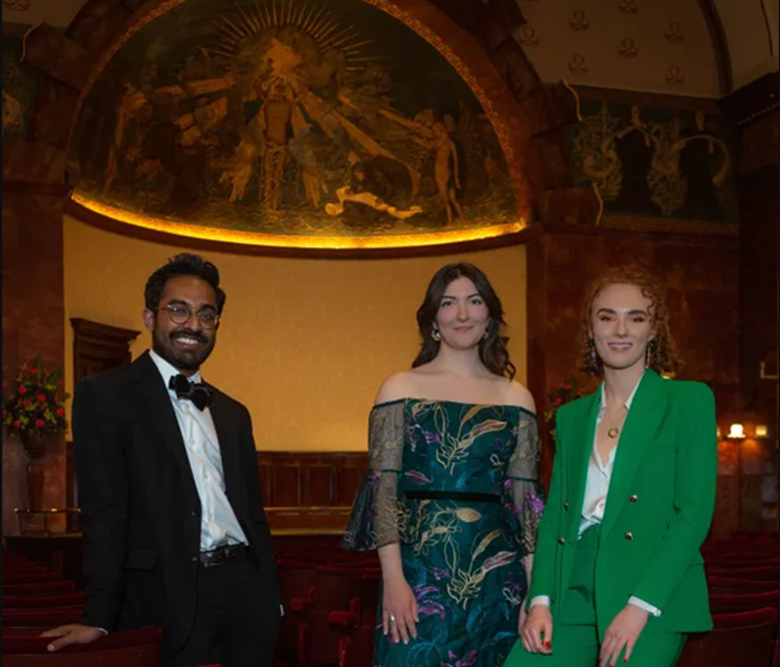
454, 495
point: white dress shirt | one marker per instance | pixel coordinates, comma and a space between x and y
597, 490
219, 526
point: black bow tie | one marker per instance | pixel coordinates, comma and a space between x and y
200, 394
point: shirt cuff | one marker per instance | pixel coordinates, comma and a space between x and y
539, 599
655, 611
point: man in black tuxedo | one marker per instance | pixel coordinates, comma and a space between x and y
175, 534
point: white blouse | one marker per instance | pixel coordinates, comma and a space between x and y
599, 472
597, 490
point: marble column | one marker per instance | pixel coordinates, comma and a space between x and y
33, 321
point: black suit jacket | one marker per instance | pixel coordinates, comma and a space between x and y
141, 512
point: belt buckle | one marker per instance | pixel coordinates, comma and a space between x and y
221, 555
211, 558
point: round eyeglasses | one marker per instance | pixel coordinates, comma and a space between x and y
181, 314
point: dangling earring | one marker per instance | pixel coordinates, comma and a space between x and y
594, 364
486, 334
648, 353
436, 335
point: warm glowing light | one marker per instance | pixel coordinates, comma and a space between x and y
736, 432
299, 241
762, 431
718, 433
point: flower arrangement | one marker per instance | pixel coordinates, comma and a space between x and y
34, 405
562, 394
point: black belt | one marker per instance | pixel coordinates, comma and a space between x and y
231, 553
454, 495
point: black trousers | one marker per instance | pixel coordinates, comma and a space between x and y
236, 620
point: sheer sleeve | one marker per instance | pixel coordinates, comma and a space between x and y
523, 494
376, 518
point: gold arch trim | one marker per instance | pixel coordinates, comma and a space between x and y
298, 241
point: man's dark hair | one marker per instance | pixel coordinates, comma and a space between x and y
182, 265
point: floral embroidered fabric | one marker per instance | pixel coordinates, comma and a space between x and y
461, 557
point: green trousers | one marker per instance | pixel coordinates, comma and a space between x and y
575, 641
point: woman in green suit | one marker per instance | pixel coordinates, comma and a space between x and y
618, 575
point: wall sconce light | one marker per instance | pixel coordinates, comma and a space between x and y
736, 432
762, 431
718, 433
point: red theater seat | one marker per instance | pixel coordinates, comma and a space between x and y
753, 573
33, 578
746, 639
730, 603
46, 588
15, 602
723, 585
39, 618
130, 648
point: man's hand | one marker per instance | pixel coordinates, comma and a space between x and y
72, 634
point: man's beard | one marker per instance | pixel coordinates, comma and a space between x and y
183, 360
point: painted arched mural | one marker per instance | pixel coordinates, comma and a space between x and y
320, 123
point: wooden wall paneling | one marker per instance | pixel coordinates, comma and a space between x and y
286, 484
348, 478
98, 347
317, 484
310, 490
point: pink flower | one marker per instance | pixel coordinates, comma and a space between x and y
22, 390
39, 423
567, 386
41, 398
16, 424
5, 385
558, 401
62, 383
60, 412
26, 404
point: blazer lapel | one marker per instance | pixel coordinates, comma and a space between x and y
156, 410
584, 428
228, 445
644, 417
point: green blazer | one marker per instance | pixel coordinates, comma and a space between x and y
659, 508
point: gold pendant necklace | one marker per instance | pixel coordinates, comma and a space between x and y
613, 431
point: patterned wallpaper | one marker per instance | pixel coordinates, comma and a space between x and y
304, 343
660, 46
651, 161
56, 13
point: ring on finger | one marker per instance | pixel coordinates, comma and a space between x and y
392, 618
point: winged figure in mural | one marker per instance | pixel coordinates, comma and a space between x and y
298, 91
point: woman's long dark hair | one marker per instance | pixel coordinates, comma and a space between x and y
492, 350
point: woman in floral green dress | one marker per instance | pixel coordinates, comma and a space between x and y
451, 500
